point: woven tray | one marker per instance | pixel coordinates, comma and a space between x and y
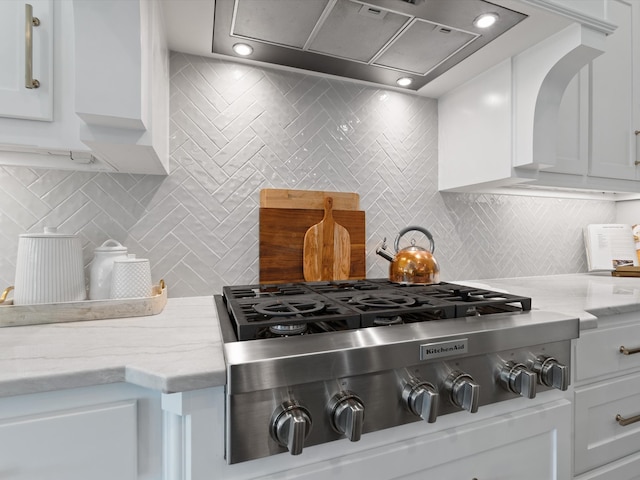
19, 315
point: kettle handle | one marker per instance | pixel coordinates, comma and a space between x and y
417, 229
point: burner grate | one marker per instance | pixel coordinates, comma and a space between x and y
282, 309
282, 313
476, 301
378, 307
263, 291
342, 286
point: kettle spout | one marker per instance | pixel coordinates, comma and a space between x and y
382, 251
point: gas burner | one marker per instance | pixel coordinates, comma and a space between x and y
382, 300
385, 321
287, 308
288, 330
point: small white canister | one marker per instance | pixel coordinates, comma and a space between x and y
131, 278
49, 268
102, 267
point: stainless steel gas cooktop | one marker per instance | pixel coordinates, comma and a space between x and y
309, 363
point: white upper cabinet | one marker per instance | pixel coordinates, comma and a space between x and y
599, 113
27, 54
108, 87
578, 135
122, 83
615, 97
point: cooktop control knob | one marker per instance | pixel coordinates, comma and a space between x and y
464, 391
290, 426
422, 399
346, 412
515, 378
551, 373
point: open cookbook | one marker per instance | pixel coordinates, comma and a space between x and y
613, 247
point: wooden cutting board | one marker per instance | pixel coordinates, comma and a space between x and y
307, 199
282, 232
326, 253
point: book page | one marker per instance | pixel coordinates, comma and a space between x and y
610, 246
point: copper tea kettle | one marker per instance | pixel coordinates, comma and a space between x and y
413, 265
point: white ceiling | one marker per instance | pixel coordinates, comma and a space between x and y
189, 29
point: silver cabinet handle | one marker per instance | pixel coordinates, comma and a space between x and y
627, 421
637, 132
29, 22
629, 351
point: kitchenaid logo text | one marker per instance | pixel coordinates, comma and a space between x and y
443, 349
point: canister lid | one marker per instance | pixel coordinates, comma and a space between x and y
111, 245
49, 232
131, 258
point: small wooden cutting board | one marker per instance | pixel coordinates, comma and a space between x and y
327, 249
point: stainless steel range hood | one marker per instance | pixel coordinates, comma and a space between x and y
378, 41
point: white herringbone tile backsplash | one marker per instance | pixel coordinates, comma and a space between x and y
236, 129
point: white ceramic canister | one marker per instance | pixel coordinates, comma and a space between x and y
102, 267
49, 268
131, 278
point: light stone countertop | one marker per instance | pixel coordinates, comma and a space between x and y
588, 296
180, 349
177, 350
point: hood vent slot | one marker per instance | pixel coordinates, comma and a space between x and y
377, 40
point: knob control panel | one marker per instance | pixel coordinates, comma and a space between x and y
290, 426
464, 391
516, 378
346, 412
422, 399
551, 372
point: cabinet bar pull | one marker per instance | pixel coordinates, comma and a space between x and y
637, 132
629, 351
627, 421
29, 22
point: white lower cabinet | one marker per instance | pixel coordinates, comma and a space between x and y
599, 438
520, 439
607, 389
97, 441
530, 458
100, 433
529, 444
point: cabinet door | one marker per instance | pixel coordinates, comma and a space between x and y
614, 97
16, 100
95, 442
530, 458
599, 439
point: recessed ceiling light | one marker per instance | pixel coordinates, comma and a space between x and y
243, 49
486, 20
404, 81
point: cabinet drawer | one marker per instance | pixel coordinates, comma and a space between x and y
599, 439
626, 469
97, 442
598, 351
